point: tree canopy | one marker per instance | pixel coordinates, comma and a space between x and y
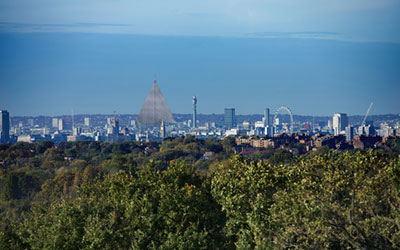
90, 195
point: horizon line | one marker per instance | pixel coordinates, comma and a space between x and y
292, 35
261, 114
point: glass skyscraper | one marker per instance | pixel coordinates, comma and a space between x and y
4, 126
266, 117
229, 118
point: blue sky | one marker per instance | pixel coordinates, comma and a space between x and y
317, 57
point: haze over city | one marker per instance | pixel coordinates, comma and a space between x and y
212, 124
99, 57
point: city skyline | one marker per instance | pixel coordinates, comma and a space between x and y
241, 124
316, 58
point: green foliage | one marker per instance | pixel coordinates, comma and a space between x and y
164, 195
339, 201
8, 236
228, 144
17, 186
245, 192
281, 156
260, 156
172, 209
394, 144
330, 201
40, 171
211, 144
41, 147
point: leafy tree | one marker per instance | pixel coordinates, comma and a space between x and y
17, 186
339, 201
245, 191
9, 239
52, 155
172, 209
211, 144
228, 144
394, 144
60, 186
41, 147
136, 195
300, 147
281, 156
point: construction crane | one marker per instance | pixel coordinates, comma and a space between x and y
365, 117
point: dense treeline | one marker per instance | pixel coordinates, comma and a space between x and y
90, 195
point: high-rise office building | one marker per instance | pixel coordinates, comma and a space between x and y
4, 126
366, 130
349, 133
345, 122
339, 122
329, 124
115, 129
386, 130
54, 122
76, 131
133, 123
266, 117
246, 125
229, 118
60, 124
87, 121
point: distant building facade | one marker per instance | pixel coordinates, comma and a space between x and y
246, 125
87, 121
229, 118
4, 126
266, 118
366, 130
340, 122
115, 129
386, 130
60, 124
54, 122
349, 133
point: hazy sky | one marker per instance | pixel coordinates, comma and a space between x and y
95, 56
361, 20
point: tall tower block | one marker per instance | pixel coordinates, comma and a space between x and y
229, 118
194, 112
266, 117
339, 122
4, 126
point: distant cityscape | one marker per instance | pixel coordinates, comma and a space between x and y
156, 122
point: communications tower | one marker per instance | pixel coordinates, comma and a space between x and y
194, 112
